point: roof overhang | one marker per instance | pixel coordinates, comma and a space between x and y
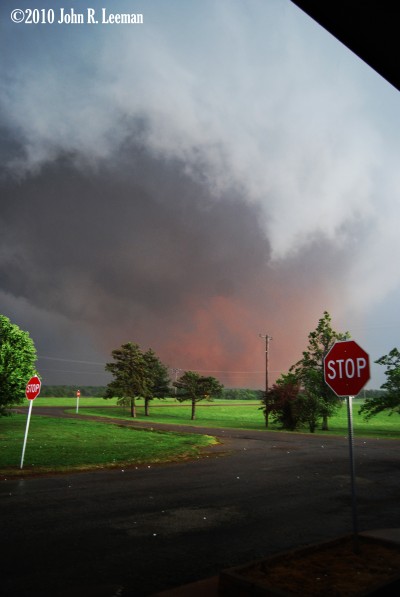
369, 28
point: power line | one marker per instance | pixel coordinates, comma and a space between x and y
70, 360
75, 371
171, 368
228, 370
239, 376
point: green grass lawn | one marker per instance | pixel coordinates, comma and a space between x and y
222, 413
246, 415
57, 445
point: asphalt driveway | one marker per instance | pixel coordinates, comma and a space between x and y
142, 530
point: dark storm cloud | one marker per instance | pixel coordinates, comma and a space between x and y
122, 240
136, 249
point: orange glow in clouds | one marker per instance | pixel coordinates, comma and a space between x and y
223, 341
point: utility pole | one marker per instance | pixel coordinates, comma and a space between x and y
267, 339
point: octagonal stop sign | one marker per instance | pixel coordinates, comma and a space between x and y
346, 368
32, 389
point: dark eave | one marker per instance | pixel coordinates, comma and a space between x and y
370, 29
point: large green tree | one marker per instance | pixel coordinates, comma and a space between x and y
194, 387
136, 374
158, 381
309, 371
17, 363
388, 400
129, 370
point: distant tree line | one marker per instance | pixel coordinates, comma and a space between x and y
368, 394
60, 391
51, 391
241, 394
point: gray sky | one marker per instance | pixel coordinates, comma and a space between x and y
223, 170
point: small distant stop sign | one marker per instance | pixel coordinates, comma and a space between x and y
32, 389
346, 368
78, 393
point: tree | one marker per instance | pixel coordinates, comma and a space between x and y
311, 408
309, 371
390, 398
195, 387
131, 379
281, 403
291, 407
17, 363
158, 381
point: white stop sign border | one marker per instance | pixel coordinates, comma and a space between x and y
346, 368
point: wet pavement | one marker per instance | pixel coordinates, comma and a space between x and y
140, 531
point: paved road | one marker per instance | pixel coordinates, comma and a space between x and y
138, 531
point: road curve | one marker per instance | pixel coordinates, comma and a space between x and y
138, 531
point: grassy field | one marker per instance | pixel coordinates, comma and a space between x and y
246, 415
57, 445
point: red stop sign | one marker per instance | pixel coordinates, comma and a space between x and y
346, 368
32, 389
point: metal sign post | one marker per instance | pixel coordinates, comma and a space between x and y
346, 371
32, 390
26, 432
352, 472
78, 393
